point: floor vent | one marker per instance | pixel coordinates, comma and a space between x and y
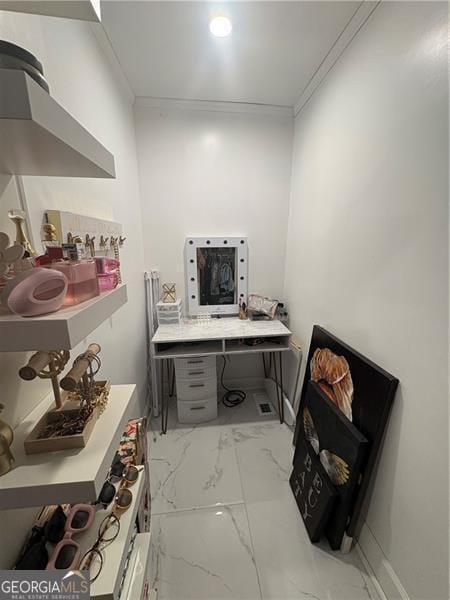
263, 405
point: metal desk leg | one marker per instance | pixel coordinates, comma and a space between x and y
171, 376
279, 393
281, 405
164, 401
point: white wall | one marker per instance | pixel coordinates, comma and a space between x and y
81, 79
215, 173
367, 258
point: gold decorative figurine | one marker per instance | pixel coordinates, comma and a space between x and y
169, 293
18, 218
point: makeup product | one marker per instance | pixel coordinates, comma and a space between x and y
82, 278
74, 251
35, 292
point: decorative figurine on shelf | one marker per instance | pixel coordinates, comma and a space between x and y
6, 439
18, 218
8, 255
103, 242
242, 310
47, 365
169, 293
50, 233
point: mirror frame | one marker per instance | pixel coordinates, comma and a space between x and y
192, 243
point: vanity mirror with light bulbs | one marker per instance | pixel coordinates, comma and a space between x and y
216, 275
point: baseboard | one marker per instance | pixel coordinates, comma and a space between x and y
383, 576
271, 390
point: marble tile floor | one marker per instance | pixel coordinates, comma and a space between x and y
224, 521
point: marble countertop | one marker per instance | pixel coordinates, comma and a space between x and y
218, 329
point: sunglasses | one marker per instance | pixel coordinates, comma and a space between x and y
35, 555
128, 475
66, 554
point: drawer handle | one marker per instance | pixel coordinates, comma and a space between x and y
196, 372
194, 362
194, 385
197, 408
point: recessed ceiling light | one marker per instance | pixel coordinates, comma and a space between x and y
220, 26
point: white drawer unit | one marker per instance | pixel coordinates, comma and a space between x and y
197, 411
195, 361
196, 379
195, 373
169, 312
196, 389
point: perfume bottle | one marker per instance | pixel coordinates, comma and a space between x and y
82, 277
107, 272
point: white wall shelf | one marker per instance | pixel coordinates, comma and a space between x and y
107, 585
85, 10
61, 330
42, 138
139, 573
68, 475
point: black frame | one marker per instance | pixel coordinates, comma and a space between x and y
374, 392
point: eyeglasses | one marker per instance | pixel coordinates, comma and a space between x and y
66, 554
93, 559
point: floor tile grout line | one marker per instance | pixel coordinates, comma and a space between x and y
252, 546
176, 511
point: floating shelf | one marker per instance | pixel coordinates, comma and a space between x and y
61, 330
139, 573
67, 476
85, 10
107, 585
41, 138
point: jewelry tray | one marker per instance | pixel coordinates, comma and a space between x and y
34, 445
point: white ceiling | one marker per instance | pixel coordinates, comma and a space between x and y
166, 49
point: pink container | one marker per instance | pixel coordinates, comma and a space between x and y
107, 281
35, 292
106, 265
82, 278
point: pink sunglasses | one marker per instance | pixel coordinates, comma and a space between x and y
66, 554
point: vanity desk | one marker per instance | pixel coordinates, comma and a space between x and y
188, 350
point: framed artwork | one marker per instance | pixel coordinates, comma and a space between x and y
314, 493
341, 450
363, 392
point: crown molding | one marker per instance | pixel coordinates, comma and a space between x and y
107, 48
357, 21
214, 106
